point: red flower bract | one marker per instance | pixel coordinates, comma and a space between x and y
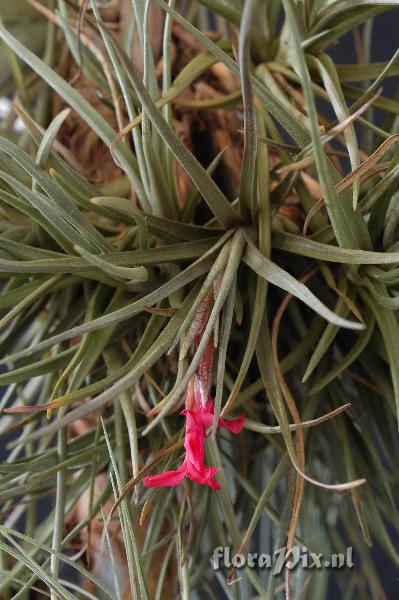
193, 465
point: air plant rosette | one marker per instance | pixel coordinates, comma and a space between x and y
199, 264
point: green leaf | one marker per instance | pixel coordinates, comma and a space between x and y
247, 177
389, 328
277, 276
346, 361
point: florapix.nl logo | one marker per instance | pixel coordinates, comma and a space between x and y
298, 556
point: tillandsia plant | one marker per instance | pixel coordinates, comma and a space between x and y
199, 257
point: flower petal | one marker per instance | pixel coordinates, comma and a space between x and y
203, 476
204, 415
165, 479
194, 443
235, 425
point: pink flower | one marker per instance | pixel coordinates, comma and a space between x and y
193, 465
199, 412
